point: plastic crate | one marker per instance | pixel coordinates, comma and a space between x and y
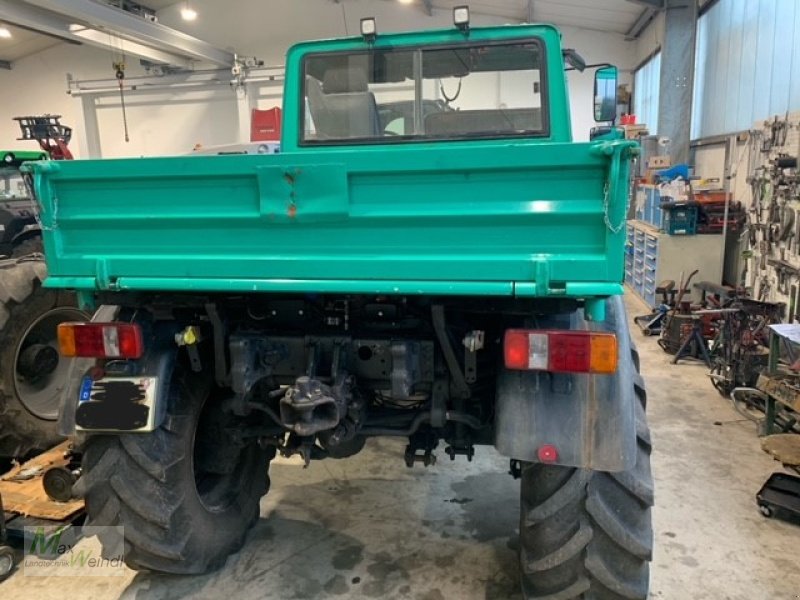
680, 219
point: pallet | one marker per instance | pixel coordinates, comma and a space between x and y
784, 447
23, 493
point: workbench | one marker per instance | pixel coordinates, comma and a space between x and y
780, 386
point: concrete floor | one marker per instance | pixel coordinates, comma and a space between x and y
370, 528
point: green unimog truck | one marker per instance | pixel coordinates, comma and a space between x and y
451, 275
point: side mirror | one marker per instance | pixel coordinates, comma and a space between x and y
605, 94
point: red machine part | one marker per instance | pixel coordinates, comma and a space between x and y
265, 125
47, 130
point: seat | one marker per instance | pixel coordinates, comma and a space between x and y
343, 107
464, 122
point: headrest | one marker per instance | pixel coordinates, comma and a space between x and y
345, 81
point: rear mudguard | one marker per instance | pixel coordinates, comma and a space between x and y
157, 362
588, 419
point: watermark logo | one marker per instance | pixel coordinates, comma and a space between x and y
70, 552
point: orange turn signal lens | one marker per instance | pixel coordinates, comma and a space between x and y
603, 353
66, 340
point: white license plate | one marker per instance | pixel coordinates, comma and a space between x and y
117, 404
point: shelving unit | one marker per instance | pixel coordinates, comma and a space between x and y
652, 256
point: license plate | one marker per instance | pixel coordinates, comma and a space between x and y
117, 404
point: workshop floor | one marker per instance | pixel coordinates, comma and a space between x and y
370, 528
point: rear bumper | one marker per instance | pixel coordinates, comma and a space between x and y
342, 286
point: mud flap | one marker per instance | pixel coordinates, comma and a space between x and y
153, 368
588, 419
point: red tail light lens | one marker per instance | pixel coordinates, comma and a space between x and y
560, 351
100, 340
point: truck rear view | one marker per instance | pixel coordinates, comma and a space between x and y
430, 257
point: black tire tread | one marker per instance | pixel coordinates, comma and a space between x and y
133, 480
20, 431
588, 534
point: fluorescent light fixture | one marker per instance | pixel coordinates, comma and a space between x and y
369, 28
188, 13
461, 17
5, 32
406, 1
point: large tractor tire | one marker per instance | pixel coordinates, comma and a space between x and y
185, 494
588, 534
32, 374
27, 247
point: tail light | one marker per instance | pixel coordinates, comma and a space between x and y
560, 351
100, 340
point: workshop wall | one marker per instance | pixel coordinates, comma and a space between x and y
174, 123
747, 157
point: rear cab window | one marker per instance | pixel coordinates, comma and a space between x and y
469, 91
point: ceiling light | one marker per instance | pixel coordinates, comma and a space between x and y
188, 13
406, 1
5, 32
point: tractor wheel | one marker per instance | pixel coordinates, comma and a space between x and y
588, 534
6, 561
26, 247
32, 375
186, 494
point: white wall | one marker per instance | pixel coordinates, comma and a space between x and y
595, 47
176, 122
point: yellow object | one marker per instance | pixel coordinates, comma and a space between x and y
188, 337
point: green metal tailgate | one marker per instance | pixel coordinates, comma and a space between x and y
525, 219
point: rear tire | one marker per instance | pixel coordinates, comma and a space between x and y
588, 534
185, 494
26, 247
30, 384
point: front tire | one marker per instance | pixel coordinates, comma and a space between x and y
588, 534
186, 493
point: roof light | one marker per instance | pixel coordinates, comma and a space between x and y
406, 1
5, 32
188, 13
369, 28
461, 17
100, 340
560, 351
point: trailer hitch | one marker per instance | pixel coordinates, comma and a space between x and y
310, 407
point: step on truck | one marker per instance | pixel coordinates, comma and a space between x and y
430, 257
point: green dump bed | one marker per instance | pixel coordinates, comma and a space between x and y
486, 219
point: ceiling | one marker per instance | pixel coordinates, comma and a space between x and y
616, 16
23, 43
157, 4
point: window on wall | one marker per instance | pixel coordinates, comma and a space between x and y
646, 82
748, 65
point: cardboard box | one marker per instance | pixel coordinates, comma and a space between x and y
656, 163
634, 132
